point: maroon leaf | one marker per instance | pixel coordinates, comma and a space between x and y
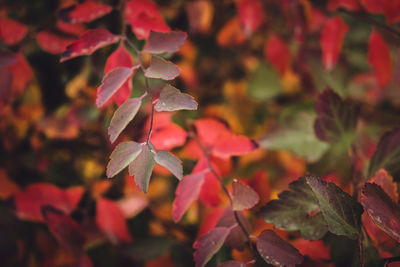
111, 220
172, 99
384, 212
331, 41
380, 58
84, 12
122, 156
350, 5
209, 244
11, 31
336, 119
168, 42
89, 42
276, 251
243, 196
67, 231
232, 264
161, 69
142, 167
170, 162
7, 58
187, 192
111, 83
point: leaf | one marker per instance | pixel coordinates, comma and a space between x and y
233, 145
391, 9
111, 221
209, 244
142, 167
337, 119
11, 31
315, 250
74, 29
277, 52
341, 212
384, 212
122, 156
111, 83
169, 161
332, 36
168, 42
384, 180
67, 231
250, 15
297, 209
161, 69
276, 251
7, 58
349, 5
387, 154
85, 12
89, 42
296, 135
264, 83
187, 192
122, 116
132, 205
243, 196
236, 239
380, 58
232, 264
172, 99
53, 43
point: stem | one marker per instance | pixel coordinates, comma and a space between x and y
213, 171
361, 250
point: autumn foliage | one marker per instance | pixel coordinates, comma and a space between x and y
200, 133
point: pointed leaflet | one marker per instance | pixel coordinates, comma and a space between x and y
161, 69
337, 119
89, 42
67, 231
111, 83
297, 209
142, 167
380, 58
122, 116
233, 145
53, 43
84, 12
250, 15
243, 196
172, 99
332, 36
187, 192
122, 155
209, 244
387, 154
11, 31
276, 251
168, 42
341, 212
384, 212
111, 221
169, 161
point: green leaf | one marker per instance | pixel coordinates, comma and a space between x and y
169, 161
297, 209
122, 155
337, 119
264, 83
296, 135
172, 99
341, 212
122, 116
387, 155
142, 167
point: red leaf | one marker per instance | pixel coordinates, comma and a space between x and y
210, 221
372, 6
52, 43
22, 74
169, 42
67, 231
209, 244
250, 15
74, 195
350, 5
120, 58
111, 83
11, 31
74, 29
331, 41
384, 180
277, 53
315, 250
111, 221
84, 12
166, 135
89, 42
231, 33
144, 16
233, 145
391, 9
211, 188
209, 130
243, 196
380, 59
187, 192
28, 202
